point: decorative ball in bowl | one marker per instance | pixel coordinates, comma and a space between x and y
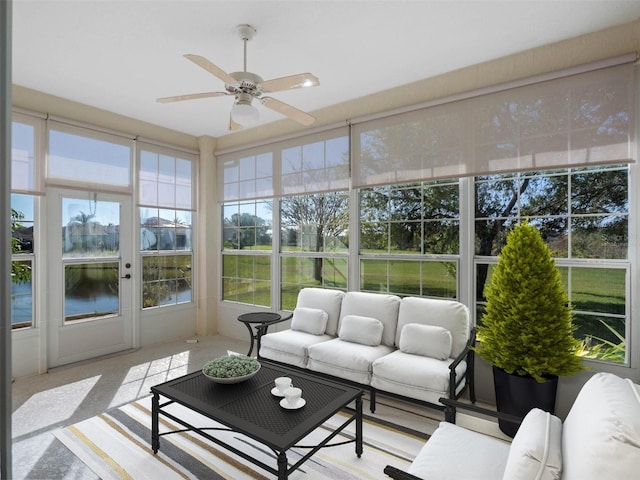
231, 369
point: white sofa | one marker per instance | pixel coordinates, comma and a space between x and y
414, 348
599, 439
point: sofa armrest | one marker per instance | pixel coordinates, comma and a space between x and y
451, 407
398, 474
468, 354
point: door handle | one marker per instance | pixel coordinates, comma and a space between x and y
127, 276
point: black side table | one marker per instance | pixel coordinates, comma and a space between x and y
260, 321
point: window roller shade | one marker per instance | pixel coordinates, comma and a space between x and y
312, 163
579, 120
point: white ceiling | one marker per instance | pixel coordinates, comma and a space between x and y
121, 55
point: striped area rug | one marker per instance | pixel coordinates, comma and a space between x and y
116, 445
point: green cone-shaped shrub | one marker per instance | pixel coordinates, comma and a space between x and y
527, 327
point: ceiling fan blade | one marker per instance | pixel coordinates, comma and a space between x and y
286, 109
233, 125
212, 68
191, 96
287, 83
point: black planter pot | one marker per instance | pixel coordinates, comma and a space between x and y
517, 395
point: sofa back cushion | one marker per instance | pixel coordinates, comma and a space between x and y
363, 330
601, 434
324, 299
380, 306
426, 340
536, 450
309, 320
449, 314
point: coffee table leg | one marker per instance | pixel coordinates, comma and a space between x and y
282, 466
359, 426
155, 438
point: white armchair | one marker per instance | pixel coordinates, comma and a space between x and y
600, 438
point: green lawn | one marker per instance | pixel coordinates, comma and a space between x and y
595, 291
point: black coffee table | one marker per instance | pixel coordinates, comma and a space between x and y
249, 408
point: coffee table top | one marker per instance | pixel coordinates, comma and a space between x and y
250, 407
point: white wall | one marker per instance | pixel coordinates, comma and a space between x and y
161, 325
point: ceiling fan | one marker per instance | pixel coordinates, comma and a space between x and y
246, 86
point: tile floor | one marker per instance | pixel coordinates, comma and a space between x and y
66, 395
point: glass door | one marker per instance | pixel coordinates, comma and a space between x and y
91, 279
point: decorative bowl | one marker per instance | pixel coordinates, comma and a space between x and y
231, 369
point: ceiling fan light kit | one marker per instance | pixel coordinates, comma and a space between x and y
246, 86
243, 112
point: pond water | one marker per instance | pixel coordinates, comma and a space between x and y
75, 306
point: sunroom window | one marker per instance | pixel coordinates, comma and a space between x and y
26, 182
410, 239
583, 216
166, 226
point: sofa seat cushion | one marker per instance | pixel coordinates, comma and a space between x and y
455, 453
601, 434
414, 376
536, 449
289, 346
347, 360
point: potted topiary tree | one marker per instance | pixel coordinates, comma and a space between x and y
526, 333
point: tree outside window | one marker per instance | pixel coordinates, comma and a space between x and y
20, 272
21, 264
314, 243
410, 239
